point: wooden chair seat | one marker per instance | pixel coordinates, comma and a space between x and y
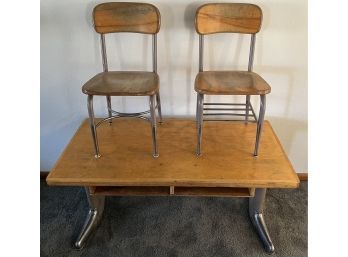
123, 83
231, 83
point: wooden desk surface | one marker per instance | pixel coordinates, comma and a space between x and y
126, 160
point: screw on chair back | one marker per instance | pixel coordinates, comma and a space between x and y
228, 18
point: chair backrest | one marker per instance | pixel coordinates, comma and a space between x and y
126, 17
115, 17
228, 17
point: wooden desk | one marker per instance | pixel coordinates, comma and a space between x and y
126, 167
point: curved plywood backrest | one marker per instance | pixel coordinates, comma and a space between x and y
126, 17
228, 17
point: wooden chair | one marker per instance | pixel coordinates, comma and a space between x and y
125, 17
229, 18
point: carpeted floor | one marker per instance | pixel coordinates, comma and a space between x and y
172, 226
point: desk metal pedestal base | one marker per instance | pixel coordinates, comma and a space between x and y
97, 202
96, 209
256, 216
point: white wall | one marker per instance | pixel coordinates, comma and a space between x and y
70, 55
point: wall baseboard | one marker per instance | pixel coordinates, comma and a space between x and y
44, 174
301, 176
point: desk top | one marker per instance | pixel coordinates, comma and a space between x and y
126, 156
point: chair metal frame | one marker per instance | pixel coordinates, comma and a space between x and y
222, 111
154, 102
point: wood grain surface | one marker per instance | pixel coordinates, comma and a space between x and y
126, 159
126, 17
231, 83
228, 17
122, 83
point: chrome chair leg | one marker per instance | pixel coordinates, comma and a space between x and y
153, 125
158, 100
96, 209
199, 122
92, 125
260, 123
108, 100
247, 102
256, 216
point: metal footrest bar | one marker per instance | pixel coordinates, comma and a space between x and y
224, 104
251, 121
131, 114
224, 109
227, 113
125, 115
247, 108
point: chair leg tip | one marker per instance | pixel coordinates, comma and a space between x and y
269, 250
155, 155
97, 156
78, 246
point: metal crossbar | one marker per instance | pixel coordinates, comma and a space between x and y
226, 109
225, 104
219, 111
229, 120
117, 115
227, 113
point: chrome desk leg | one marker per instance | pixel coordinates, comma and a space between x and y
92, 125
256, 216
247, 102
108, 100
199, 122
96, 208
158, 100
260, 123
153, 126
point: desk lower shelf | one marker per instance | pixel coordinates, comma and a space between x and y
172, 191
